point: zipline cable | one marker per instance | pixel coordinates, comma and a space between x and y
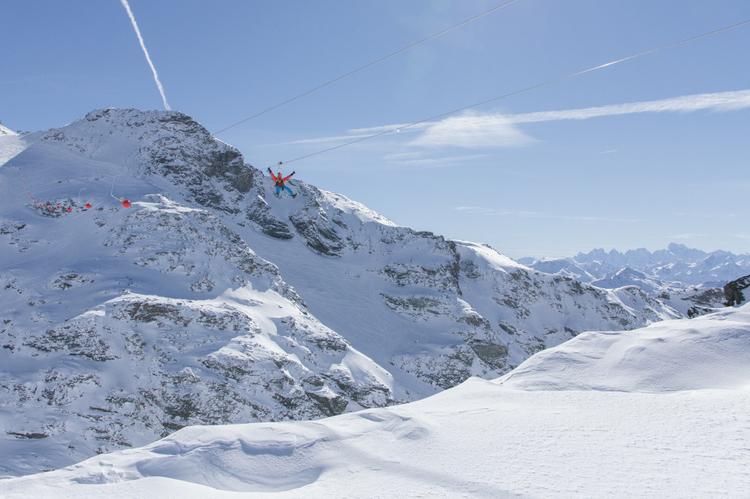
112, 188
529, 88
370, 64
124, 202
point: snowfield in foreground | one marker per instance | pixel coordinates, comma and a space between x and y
656, 412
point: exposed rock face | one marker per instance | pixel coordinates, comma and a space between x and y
704, 302
733, 291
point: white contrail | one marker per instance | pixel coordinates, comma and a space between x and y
476, 124
145, 52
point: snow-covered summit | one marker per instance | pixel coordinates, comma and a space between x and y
122, 325
232, 305
627, 276
346, 205
567, 267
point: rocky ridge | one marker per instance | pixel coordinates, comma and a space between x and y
211, 301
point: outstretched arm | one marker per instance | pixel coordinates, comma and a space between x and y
273, 175
289, 176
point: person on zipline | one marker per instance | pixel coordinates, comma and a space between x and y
280, 180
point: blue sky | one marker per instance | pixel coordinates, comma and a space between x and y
541, 184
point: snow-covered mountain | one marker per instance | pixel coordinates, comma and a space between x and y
629, 277
566, 267
211, 301
689, 280
689, 300
676, 265
679, 389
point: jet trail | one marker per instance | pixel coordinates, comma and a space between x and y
126, 5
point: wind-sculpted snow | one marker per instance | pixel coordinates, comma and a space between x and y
212, 301
712, 351
655, 412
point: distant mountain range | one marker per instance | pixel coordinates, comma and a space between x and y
677, 265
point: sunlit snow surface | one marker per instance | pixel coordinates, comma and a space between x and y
11, 145
210, 301
655, 412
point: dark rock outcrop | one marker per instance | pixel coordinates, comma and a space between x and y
733, 291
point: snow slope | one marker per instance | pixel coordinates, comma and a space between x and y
560, 266
11, 144
212, 301
6, 131
121, 326
711, 351
657, 412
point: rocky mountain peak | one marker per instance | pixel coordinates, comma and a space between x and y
232, 305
